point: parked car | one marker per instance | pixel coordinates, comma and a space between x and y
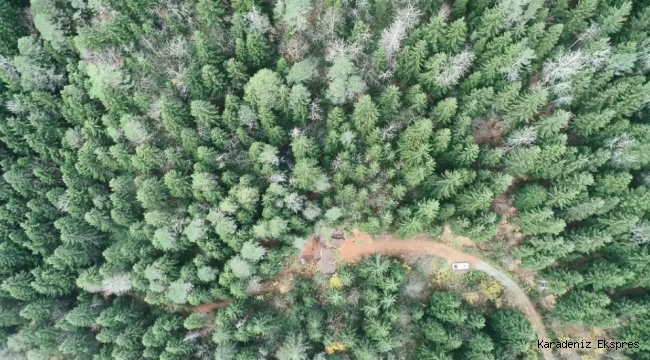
460, 266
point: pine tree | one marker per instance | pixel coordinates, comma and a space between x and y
365, 115
19, 286
293, 348
411, 61
448, 184
205, 113
478, 199
613, 18
527, 106
539, 221
586, 307
577, 17
511, 330
151, 193
262, 89
548, 40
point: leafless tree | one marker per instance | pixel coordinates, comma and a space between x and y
521, 137
455, 68
409, 15
177, 47
644, 55
600, 57
557, 74
391, 38
257, 22
277, 178
444, 12
117, 284
8, 67
591, 33
336, 164
641, 233
295, 48
296, 132
519, 11
414, 288
563, 67
15, 107
311, 211
294, 202
339, 48
191, 336
315, 111
621, 154
254, 285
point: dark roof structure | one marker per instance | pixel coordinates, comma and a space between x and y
337, 243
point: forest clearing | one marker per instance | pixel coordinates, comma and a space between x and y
358, 245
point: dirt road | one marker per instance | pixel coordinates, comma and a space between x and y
358, 245
523, 299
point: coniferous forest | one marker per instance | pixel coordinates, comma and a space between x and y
158, 156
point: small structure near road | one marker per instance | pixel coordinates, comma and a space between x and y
326, 263
460, 266
324, 256
337, 243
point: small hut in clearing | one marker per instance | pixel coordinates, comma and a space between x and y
326, 262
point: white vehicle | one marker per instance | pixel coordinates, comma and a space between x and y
460, 266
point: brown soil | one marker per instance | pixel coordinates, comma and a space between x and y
310, 249
284, 281
526, 275
359, 244
509, 237
448, 237
548, 302
488, 131
208, 307
509, 234
502, 205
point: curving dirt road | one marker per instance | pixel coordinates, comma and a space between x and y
523, 299
358, 245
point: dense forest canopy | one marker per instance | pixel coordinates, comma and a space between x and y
163, 154
376, 309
